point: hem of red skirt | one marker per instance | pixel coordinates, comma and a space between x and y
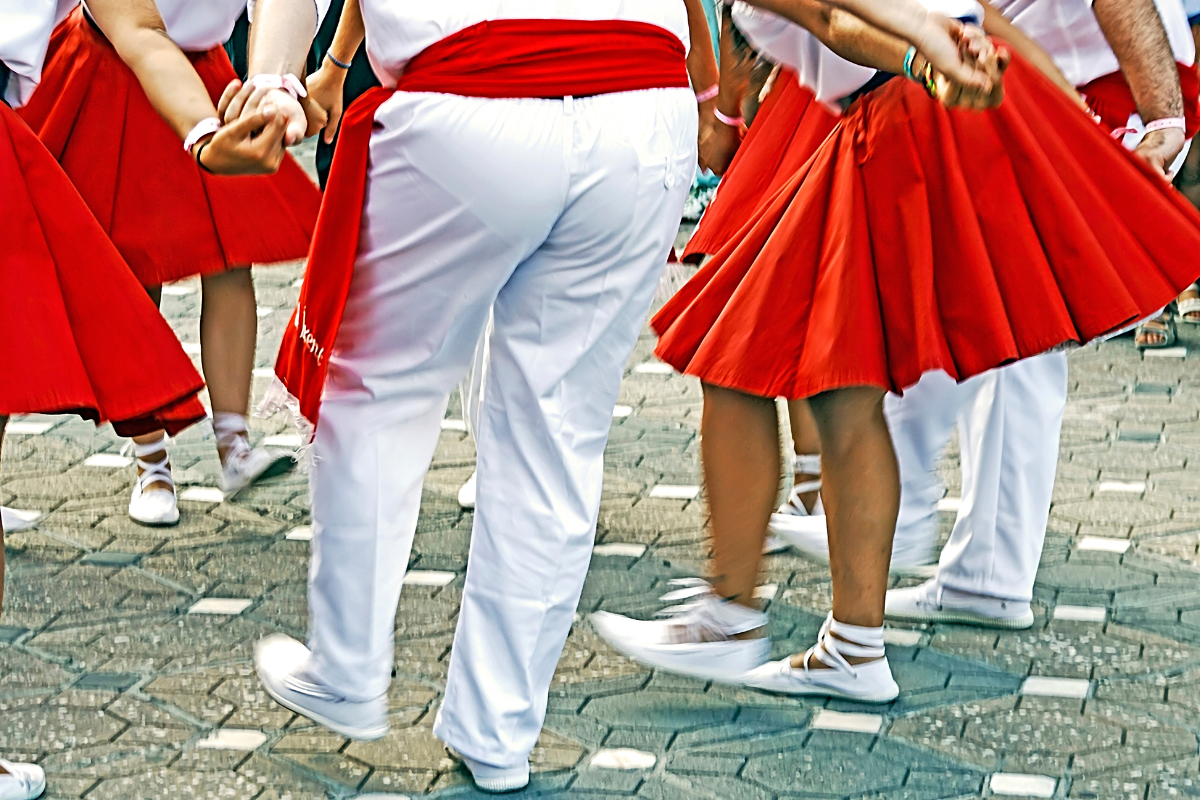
159, 277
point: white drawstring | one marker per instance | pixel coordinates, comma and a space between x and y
839, 640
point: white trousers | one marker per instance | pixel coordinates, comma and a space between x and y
1009, 422
557, 216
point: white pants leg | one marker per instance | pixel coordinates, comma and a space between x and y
470, 391
560, 214
1009, 441
921, 423
565, 325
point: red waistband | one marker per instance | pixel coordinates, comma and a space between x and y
1110, 98
497, 59
549, 58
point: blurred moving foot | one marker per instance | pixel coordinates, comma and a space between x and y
13, 520
21, 781
932, 602
244, 466
703, 637
493, 780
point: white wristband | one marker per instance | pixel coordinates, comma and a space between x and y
1166, 122
203, 128
288, 83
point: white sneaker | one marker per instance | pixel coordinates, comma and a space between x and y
493, 780
466, 495
697, 638
281, 662
154, 506
932, 602
870, 682
23, 781
244, 467
13, 520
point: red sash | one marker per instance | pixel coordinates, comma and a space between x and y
1110, 98
498, 58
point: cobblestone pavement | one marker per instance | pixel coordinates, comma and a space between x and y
125, 651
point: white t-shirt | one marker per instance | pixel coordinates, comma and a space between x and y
397, 30
828, 75
25, 28
198, 25
1069, 32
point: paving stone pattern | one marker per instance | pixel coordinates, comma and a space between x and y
114, 678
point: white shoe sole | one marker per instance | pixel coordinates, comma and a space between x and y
361, 734
680, 659
497, 785
157, 523
873, 699
963, 617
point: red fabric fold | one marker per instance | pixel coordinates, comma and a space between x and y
168, 219
789, 128
499, 58
920, 239
83, 337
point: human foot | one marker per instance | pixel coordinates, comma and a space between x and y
241, 464
153, 501
703, 637
1156, 333
1189, 304
848, 661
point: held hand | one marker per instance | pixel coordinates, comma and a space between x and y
240, 99
718, 142
943, 43
252, 145
325, 87
1160, 148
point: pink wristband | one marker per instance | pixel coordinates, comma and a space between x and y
708, 94
1166, 122
288, 83
733, 122
203, 128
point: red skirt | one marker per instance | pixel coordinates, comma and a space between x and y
789, 128
919, 239
80, 335
168, 219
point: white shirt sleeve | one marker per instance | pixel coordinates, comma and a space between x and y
322, 10
25, 28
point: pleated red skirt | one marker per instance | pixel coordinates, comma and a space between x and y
919, 239
80, 335
168, 219
789, 128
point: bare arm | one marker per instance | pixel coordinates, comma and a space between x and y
935, 36
702, 61
326, 86
1135, 33
138, 34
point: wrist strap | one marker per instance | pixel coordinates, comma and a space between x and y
199, 156
205, 127
288, 83
708, 94
1166, 122
733, 122
908, 64
336, 63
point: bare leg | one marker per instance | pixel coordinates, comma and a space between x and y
228, 332
740, 450
862, 499
806, 441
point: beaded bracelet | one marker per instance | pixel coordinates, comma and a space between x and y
908, 64
335, 61
928, 80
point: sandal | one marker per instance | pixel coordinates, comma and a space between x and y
1163, 325
1189, 307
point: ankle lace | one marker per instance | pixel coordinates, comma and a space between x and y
704, 616
232, 435
840, 641
152, 471
807, 464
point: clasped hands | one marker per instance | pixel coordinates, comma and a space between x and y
258, 124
